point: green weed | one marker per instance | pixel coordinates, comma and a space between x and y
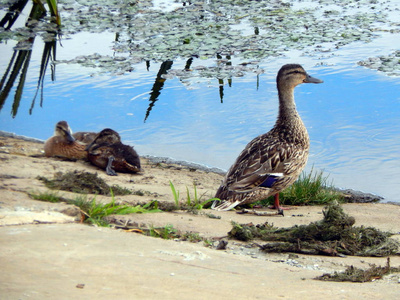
175, 193
192, 202
167, 232
193, 237
46, 196
94, 212
196, 202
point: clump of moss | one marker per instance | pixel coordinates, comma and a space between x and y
354, 274
333, 235
83, 183
247, 232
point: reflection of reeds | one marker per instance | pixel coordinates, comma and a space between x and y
49, 51
158, 86
19, 62
13, 13
221, 83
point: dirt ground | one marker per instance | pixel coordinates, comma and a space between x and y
46, 253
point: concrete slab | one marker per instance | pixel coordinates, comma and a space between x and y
74, 261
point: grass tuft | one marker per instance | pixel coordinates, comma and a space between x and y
175, 193
309, 189
167, 232
52, 197
94, 212
192, 202
312, 188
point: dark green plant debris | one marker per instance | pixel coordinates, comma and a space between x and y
83, 183
333, 235
354, 274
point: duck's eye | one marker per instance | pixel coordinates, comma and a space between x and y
295, 72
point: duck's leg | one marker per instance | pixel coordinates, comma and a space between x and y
109, 170
276, 201
277, 204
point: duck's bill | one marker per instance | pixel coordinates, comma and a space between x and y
70, 138
310, 79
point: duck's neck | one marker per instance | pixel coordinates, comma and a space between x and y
287, 107
289, 125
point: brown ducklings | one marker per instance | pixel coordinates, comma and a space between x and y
107, 152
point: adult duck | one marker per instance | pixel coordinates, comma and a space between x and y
272, 161
63, 144
107, 152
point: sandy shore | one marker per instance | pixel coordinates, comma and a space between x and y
45, 252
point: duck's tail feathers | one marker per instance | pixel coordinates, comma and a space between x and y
224, 205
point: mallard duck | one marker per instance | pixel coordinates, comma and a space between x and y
107, 152
274, 160
63, 144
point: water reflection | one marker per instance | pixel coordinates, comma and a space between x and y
158, 86
20, 60
12, 14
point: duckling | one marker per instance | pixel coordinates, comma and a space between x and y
107, 152
84, 136
272, 161
63, 144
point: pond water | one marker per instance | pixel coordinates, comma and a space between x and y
191, 115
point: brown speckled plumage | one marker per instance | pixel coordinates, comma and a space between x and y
62, 144
274, 160
107, 152
84, 137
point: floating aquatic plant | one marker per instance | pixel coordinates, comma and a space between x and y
389, 64
247, 29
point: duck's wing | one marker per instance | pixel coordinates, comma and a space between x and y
260, 164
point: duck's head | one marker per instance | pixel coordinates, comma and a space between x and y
63, 130
291, 75
106, 136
